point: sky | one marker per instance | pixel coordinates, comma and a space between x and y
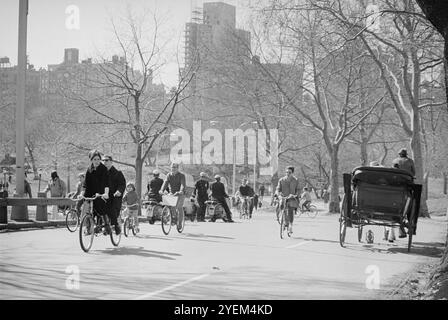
52, 27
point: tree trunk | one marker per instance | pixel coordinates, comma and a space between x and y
334, 182
445, 178
418, 160
364, 141
139, 175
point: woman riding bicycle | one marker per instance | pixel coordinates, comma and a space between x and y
96, 182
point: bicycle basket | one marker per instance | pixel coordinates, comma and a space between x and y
170, 200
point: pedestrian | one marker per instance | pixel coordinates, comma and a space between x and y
218, 193
117, 186
27, 187
200, 192
57, 190
261, 192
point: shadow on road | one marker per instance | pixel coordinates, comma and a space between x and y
315, 240
201, 235
427, 250
139, 251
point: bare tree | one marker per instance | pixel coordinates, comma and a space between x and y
120, 97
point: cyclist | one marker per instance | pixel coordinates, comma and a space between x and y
218, 193
175, 181
130, 200
117, 184
289, 186
81, 177
200, 192
97, 182
154, 187
246, 191
306, 196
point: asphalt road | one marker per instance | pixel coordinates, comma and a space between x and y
243, 260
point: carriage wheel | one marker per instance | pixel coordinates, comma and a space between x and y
166, 220
360, 233
343, 222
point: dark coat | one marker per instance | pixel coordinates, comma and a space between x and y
116, 181
218, 190
201, 189
96, 180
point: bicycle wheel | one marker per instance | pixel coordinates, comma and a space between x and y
282, 224
180, 221
86, 232
114, 237
278, 212
312, 213
166, 220
134, 226
72, 220
126, 227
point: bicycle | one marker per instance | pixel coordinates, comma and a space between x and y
169, 209
310, 209
93, 224
283, 217
153, 210
129, 223
245, 207
72, 218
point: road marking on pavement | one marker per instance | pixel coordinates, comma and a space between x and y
151, 294
297, 244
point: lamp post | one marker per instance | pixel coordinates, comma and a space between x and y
21, 212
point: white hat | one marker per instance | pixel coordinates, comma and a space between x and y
156, 172
202, 174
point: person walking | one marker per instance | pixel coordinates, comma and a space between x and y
261, 192
218, 192
57, 189
27, 187
200, 192
117, 186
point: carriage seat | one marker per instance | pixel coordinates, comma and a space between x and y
381, 191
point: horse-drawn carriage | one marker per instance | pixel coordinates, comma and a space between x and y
379, 196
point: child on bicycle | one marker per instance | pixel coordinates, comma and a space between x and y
306, 196
130, 200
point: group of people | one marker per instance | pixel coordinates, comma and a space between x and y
108, 186
176, 185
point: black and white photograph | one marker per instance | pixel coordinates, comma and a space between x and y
223, 155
